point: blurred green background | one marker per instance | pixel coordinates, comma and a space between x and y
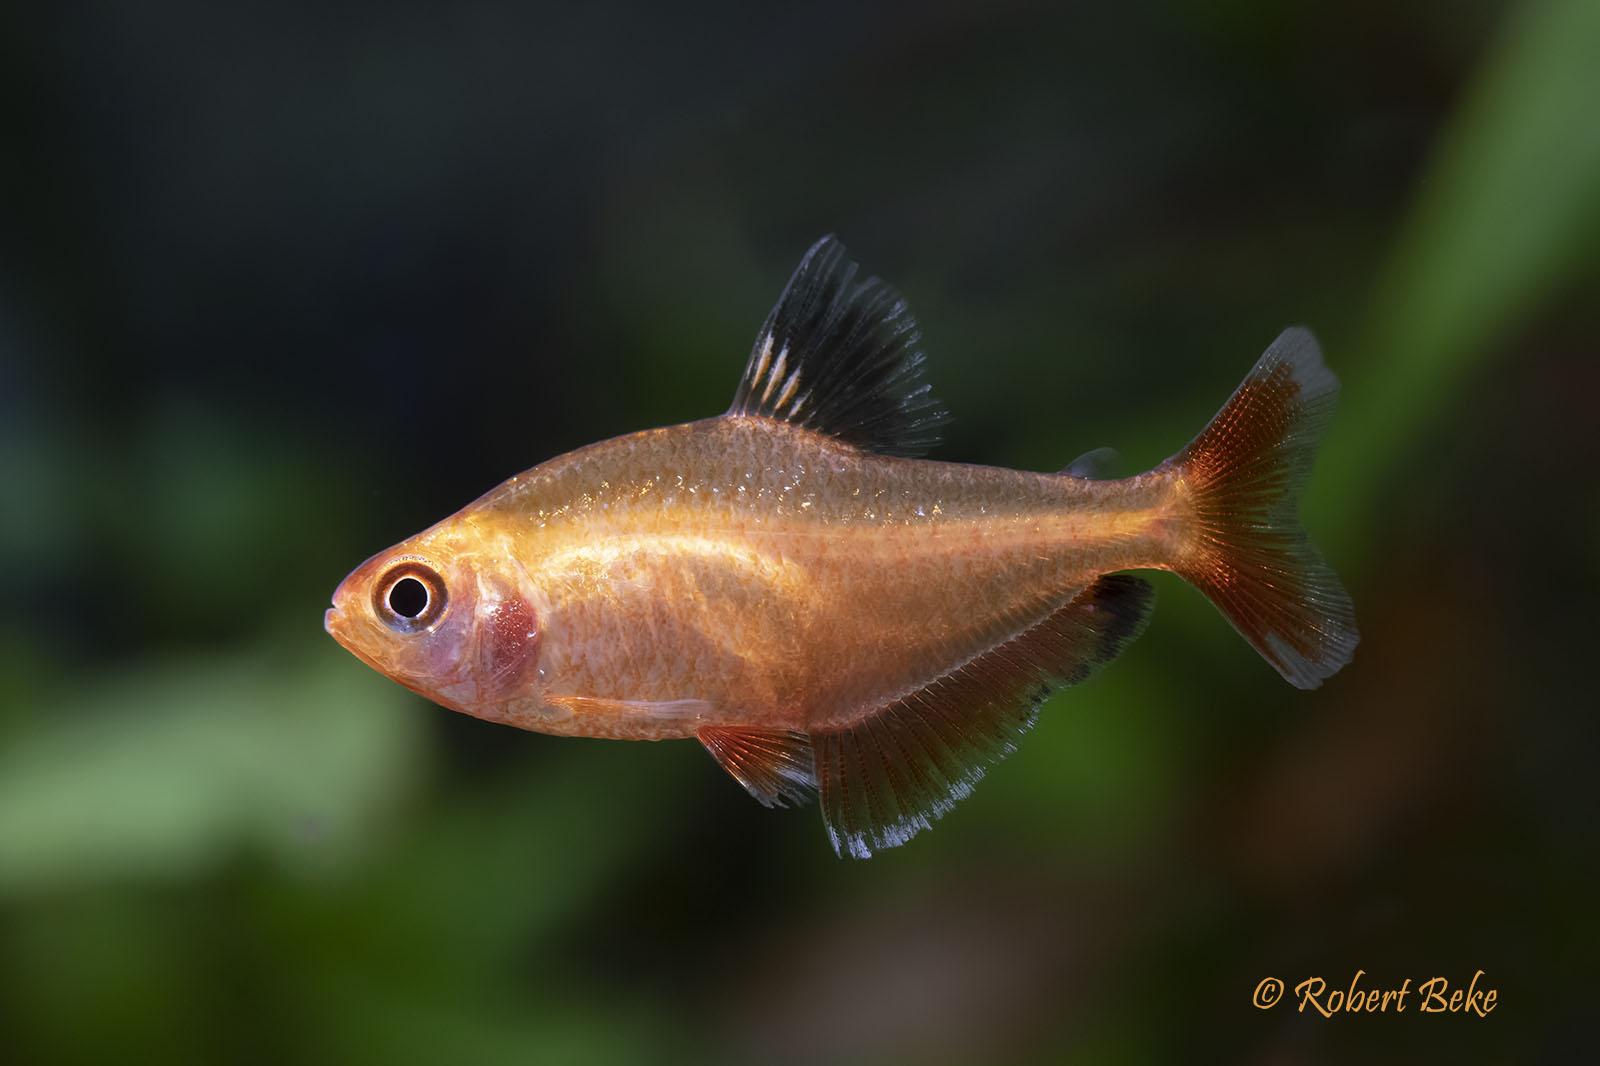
281, 284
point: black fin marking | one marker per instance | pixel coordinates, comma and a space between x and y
840, 356
774, 766
896, 772
1096, 465
1246, 550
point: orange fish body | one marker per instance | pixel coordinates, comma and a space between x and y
829, 617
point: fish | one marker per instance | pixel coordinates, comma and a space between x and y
834, 617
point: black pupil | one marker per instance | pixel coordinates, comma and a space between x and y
408, 597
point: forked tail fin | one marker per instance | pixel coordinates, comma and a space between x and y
1245, 550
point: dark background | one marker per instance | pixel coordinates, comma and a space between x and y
281, 284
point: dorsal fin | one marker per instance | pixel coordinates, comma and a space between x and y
840, 356
892, 774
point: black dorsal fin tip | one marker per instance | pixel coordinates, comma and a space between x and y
840, 356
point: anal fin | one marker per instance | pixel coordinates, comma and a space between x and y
886, 777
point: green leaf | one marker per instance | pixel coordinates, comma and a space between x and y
1508, 215
163, 771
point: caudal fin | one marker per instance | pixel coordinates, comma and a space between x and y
1245, 549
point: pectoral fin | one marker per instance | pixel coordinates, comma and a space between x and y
633, 719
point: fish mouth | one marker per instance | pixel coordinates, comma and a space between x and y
331, 621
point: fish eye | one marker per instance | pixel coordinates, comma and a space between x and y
410, 597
